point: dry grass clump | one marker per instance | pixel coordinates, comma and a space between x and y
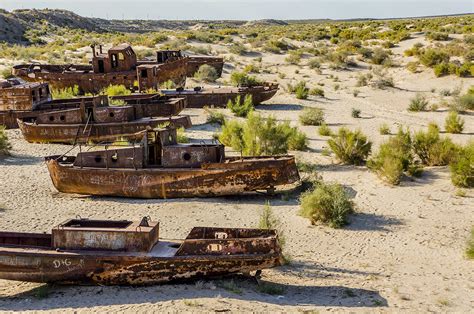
384, 129
324, 130
214, 117
431, 149
326, 203
454, 124
312, 116
418, 103
462, 167
241, 108
300, 90
350, 147
258, 136
4, 143
206, 73
238, 49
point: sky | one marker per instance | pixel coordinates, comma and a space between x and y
248, 9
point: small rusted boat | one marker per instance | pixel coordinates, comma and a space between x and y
108, 252
162, 168
117, 66
219, 97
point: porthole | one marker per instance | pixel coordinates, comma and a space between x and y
62, 118
51, 118
111, 114
98, 158
187, 156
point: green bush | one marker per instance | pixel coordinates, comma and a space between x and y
242, 79
206, 73
454, 124
384, 129
437, 36
301, 90
251, 68
181, 136
462, 167
380, 56
316, 92
4, 143
470, 245
65, 93
328, 204
262, 136
393, 158
350, 147
465, 102
215, 117
169, 84
238, 49
324, 130
116, 90
431, 57
241, 108
431, 149
312, 116
6, 73
418, 103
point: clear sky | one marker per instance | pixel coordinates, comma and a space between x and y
248, 9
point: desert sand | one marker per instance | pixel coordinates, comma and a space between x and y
403, 250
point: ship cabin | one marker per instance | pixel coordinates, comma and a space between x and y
163, 56
19, 95
158, 149
117, 59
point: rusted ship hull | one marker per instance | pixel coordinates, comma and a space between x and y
64, 76
219, 97
235, 176
195, 62
96, 132
114, 269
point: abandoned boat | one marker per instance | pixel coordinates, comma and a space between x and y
162, 168
219, 97
28, 101
108, 252
118, 66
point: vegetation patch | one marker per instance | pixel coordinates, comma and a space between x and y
462, 169
4, 143
350, 147
241, 108
312, 116
206, 73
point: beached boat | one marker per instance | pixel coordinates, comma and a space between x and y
220, 96
108, 252
117, 66
162, 168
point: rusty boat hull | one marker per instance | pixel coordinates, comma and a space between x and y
234, 176
95, 132
35, 257
219, 97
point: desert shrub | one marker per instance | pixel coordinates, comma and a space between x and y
251, 68
294, 57
206, 73
312, 116
276, 46
262, 136
214, 117
269, 221
241, 108
384, 129
169, 84
314, 63
316, 92
362, 80
6, 73
418, 103
324, 130
181, 136
242, 79
380, 56
465, 102
431, 149
437, 36
454, 124
4, 143
65, 93
326, 203
441, 69
393, 158
201, 50
116, 90
350, 147
462, 167
413, 66
355, 113
470, 245
301, 90
465, 70
237, 49
382, 80
431, 57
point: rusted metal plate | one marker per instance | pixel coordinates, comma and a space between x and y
219, 97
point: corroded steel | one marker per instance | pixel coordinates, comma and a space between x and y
119, 66
165, 169
124, 252
219, 97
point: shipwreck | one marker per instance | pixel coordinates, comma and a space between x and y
122, 252
161, 168
118, 66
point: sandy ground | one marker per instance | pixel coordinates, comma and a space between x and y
402, 252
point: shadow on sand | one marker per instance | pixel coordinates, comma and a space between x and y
19, 160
